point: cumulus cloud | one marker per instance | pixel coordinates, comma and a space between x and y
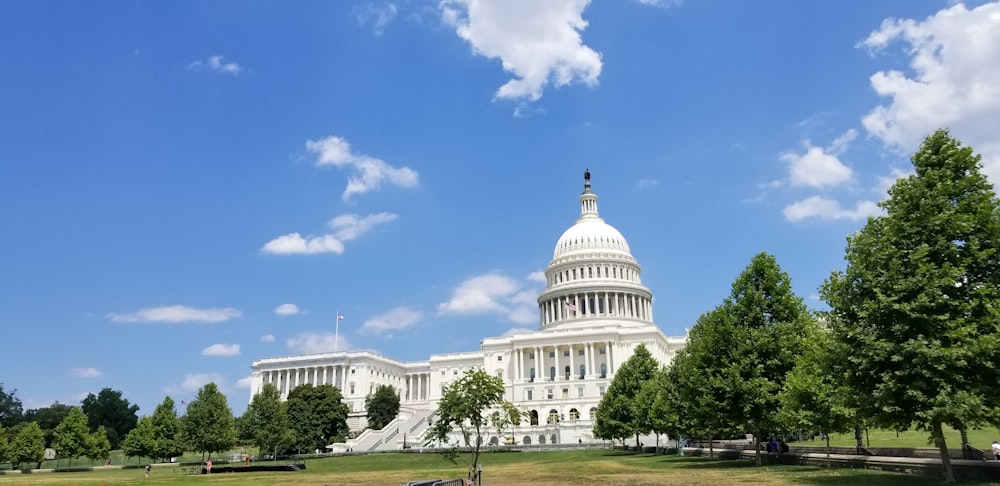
493, 293
193, 381
218, 65
819, 167
537, 276
221, 350
311, 343
379, 16
819, 207
267, 338
395, 319
517, 330
84, 373
177, 313
953, 81
244, 382
368, 172
538, 42
346, 227
287, 310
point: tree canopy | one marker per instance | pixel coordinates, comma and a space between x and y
139, 442
382, 406
11, 411
265, 422
28, 447
72, 438
4, 445
914, 314
48, 418
110, 409
208, 425
465, 405
166, 431
318, 416
620, 412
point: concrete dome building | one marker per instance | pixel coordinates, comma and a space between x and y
593, 313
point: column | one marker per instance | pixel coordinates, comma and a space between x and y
590, 360
572, 367
611, 368
539, 363
559, 373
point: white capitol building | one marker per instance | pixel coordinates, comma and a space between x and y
593, 313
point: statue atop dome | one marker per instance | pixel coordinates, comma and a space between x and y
586, 175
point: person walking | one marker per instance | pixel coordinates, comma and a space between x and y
208, 466
147, 471
996, 450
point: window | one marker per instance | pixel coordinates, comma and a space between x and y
499, 357
548, 393
574, 414
566, 371
579, 392
528, 394
604, 370
602, 350
579, 353
593, 413
454, 372
565, 393
553, 416
601, 390
583, 371
352, 371
552, 354
552, 373
500, 374
531, 355
532, 375
566, 353
442, 372
352, 388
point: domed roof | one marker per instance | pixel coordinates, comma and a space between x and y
590, 233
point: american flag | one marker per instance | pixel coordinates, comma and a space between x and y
570, 306
340, 316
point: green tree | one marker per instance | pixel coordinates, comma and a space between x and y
620, 412
507, 417
265, 422
139, 442
4, 445
814, 397
653, 408
318, 416
72, 437
11, 411
109, 409
48, 418
914, 314
28, 447
465, 405
100, 447
208, 425
382, 406
166, 431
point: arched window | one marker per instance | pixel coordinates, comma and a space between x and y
604, 370
574, 414
583, 371
552, 373
526, 440
541, 439
532, 375
593, 413
533, 420
567, 371
554, 439
494, 441
553, 416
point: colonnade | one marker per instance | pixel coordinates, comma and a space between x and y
417, 385
596, 304
583, 359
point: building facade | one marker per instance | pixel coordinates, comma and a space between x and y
593, 313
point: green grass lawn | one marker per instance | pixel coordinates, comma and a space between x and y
909, 439
577, 468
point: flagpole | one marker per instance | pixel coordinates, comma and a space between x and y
336, 333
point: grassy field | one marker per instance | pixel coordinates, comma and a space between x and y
909, 439
576, 468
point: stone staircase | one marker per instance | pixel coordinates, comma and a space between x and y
406, 429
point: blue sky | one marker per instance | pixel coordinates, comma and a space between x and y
188, 186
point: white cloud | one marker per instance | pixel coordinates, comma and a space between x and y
295, 244
661, 3
193, 381
378, 16
517, 330
346, 227
369, 172
538, 42
311, 342
287, 310
819, 167
953, 81
221, 350
493, 293
267, 338
395, 319
644, 183
537, 276
244, 382
217, 64
822, 208
84, 373
177, 313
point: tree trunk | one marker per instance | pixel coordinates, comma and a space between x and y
938, 435
966, 451
711, 451
828, 451
756, 448
859, 447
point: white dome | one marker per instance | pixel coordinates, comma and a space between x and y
590, 234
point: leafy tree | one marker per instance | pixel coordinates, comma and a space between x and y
465, 404
100, 447
166, 431
208, 425
265, 422
48, 418
914, 314
620, 412
382, 406
508, 416
652, 405
11, 411
814, 397
4, 445
139, 442
109, 409
72, 438
28, 446
318, 415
